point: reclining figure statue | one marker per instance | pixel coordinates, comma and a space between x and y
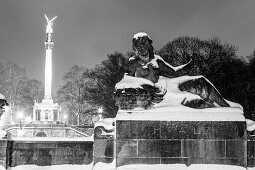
145, 64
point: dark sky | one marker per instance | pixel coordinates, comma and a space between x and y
85, 31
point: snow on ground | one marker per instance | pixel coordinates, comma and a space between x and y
181, 167
91, 138
53, 167
103, 166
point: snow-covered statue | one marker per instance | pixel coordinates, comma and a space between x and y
152, 82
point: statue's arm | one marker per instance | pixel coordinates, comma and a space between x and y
47, 19
53, 19
165, 70
131, 66
182, 66
170, 71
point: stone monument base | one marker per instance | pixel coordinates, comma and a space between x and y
175, 135
46, 111
210, 136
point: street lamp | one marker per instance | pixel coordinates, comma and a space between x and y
20, 131
100, 111
20, 116
6, 108
65, 117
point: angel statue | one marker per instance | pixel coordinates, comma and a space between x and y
49, 24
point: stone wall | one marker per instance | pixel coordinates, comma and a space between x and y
103, 145
251, 150
3, 146
59, 132
46, 153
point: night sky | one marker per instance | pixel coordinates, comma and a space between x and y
85, 31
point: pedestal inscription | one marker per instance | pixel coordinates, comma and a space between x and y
49, 153
186, 142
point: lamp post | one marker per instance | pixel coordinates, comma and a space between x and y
100, 111
20, 131
20, 116
65, 117
6, 108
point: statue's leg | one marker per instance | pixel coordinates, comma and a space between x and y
197, 103
205, 90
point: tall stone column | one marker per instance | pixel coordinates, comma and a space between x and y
47, 111
48, 69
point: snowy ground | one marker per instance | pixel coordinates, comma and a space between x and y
102, 166
53, 167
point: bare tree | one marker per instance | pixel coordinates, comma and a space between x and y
71, 93
12, 82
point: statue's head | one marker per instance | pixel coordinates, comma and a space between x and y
142, 44
3, 104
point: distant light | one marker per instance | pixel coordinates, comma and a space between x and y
6, 108
100, 110
100, 117
28, 119
65, 116
20, 115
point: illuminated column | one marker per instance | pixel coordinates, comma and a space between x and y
48, 61
48, 68
47, 110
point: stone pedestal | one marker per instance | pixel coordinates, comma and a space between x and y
104, 133
177, 137
251, 150
46, 111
